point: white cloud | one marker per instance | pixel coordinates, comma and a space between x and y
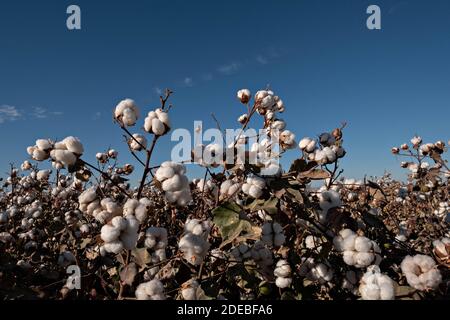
9, 113
42, 113
207, 77
262, 60
96, 115
158, 91
229, 69
188, 82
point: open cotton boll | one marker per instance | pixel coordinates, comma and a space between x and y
126, 112
442, 249
307, 145
174, 183
191, 290
283, 274
156, 238
421, 272
376, 286
64, 157
272, 234
74, 145
312, 242
356, 250
152, 290
254, 187
287, 140
120, 233
43, 175
198, 227
229, 188
44, 144
316, 272
244, 95
26, 165
327, 139
138, 142
194, 248
327, 200
157, 122
138, 208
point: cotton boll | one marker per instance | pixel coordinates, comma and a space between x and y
194, 248
326, 139
272, 234
307, 145
157, 122
65, 157
44, 144
229, 188
126, 112
152, 290
287, 140
138, 142
241, 252
244, 95
39, 155
191, 290
156, 238
26, 165
73, 145
442, 249
254, 187
43, 175
421, 272
376, 286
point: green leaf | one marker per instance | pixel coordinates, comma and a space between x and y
227, 219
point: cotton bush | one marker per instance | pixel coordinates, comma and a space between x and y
238, 231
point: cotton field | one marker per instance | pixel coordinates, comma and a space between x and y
247, 229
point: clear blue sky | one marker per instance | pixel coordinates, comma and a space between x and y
317, 55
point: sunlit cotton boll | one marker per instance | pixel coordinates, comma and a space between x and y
156, 238
244, 95
138, 208
138, 142
376, 286
73, 145
121, 233
356, 250
229, 188
152, 290
421, 272
194, 248
26, 165
173, 181
307, 145
43, 175
254, 187
157, 122
287, 140
126, 112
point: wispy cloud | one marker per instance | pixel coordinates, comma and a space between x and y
96, 115
207, 77
188, 82
158, 91
230, 68
43, 113
262, 59
9, 113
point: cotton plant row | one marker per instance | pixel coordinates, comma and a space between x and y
245, 230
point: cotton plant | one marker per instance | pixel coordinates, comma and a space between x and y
258, 219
